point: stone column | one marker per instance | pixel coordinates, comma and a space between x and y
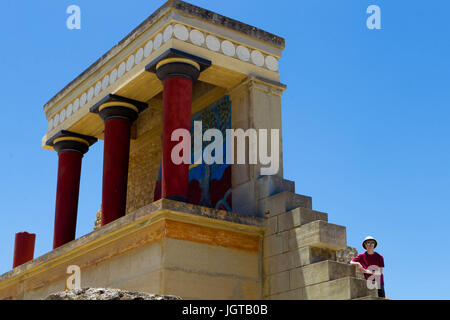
70, 147
178, 71
256, 104
118, 113
23, 248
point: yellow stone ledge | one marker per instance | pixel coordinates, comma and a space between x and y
156, 221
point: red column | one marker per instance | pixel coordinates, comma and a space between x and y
115, 168
118, 114
178, 76
68, 186
70, 147
177, 101
23, 248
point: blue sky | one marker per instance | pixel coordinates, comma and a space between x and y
365, 119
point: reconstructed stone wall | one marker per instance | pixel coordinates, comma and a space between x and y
145, 157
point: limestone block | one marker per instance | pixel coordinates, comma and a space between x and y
139, 261
278, 263
299, 257
295, 258
318, 234
282, 202
200, 257
340, 289
193, 285
44, 291
319, 272
267, 186
297, 294
371, 298
298, 217
243, 200
271, 226
145, 282
276, 244
278, 282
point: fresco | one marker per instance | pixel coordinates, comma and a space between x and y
209, 185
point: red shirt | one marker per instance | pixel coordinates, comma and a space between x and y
367, 260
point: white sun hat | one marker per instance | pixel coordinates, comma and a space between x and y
369, 238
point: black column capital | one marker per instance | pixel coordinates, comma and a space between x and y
65, 141
113, 106
176, 63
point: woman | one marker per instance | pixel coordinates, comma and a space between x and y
371, 263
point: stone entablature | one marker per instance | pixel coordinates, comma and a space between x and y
235, 49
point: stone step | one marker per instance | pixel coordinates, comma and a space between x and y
267, 186
306, 276
299, 217
320, 272
347, 288
298, 257
319, 234
340, 289
292, 219
371, 298
281, 203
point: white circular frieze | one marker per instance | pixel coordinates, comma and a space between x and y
90, 94
212, 43
139, 56
69, 110
168, 33
271, 63
243, 53
197, 37
158, 41
257, 58
181, 32
105, 82
130, 62
62, 115
148, 48
121, 70
228, 48
98, 88
50, 124
56, 121
83, 99
113, 76
76, 105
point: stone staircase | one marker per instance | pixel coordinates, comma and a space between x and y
300, 245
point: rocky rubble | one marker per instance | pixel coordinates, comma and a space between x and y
106, 294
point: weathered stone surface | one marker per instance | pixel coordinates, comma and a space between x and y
299, 217
267, 186
106, 294
319, 234
319, 272
282, 202
346, 255
340, 289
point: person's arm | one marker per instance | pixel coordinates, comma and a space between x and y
355, 261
